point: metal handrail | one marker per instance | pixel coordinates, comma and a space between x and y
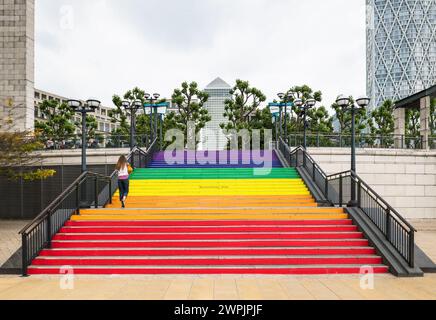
376, 196
53, 204
406, 246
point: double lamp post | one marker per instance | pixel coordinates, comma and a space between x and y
289, 100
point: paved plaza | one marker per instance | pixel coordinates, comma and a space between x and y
218, 288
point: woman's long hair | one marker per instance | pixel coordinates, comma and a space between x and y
122, 162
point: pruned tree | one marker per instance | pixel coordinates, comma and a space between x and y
320, 120
303, 92
382, 124
18, 157
382, 120
189, 100
344, 118
58, 123
91, 129
120, 116
242, 107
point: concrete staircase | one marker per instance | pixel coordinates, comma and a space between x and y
212, 219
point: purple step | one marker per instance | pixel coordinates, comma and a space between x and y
220, 154
227, 157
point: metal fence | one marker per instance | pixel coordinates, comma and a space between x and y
24, 200
338, 190
89, 190
321, 140
396, 229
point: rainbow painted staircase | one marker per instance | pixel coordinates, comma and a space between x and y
214, 219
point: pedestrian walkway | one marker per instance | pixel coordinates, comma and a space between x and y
10, 240
218, 288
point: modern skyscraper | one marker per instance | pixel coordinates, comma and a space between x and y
401, 48
212, 137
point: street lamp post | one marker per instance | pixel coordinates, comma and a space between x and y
281, 97
132, 107
153, 115
84, 108
286, 98
161, 110
309, 104
346, 104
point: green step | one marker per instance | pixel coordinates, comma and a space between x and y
199, 174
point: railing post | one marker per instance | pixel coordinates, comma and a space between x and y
96, 192
48, 235
78, 199
110, 191
296, 159
341, 196
412, 248
326, 191
24, 255
388, 224
359, 194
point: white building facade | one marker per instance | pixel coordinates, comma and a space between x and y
212, 136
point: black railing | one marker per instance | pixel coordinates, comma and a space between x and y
337, 189
139, 158
300, 158
337, 140
88, 190
397, 230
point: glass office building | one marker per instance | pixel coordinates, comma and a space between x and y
212, 137
401, 48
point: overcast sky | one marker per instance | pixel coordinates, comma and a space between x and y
95, 48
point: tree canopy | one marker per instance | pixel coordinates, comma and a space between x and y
18, 157
189, 101
241, 109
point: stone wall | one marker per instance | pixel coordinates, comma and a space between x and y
17, 29
74, 157
404, 178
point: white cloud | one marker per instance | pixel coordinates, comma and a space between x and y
103, 47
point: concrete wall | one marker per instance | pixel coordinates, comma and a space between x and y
73, 157
404, 178
17, 29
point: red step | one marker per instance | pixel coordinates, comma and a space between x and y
202, 252
211, 244
205, 223
273, 236
209, 262
82, 230
210, 271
